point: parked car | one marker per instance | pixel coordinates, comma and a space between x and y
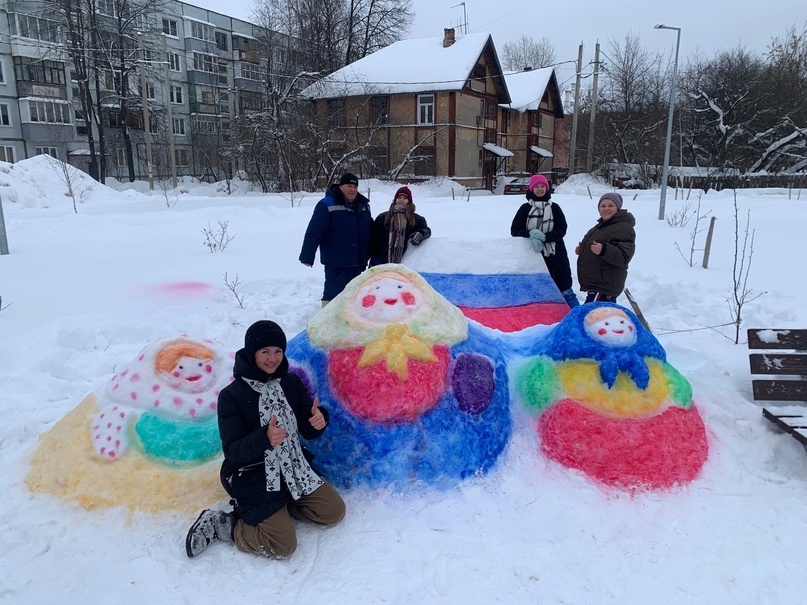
518, 186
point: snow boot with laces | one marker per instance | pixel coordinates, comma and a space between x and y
211, 525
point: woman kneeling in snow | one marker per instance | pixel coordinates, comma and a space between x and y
262, 414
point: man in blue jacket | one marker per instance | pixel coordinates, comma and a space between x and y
340, 228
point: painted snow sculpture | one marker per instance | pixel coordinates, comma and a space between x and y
414, 392
610, 405
499, 283
148, 439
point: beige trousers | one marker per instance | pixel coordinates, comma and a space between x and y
275, 537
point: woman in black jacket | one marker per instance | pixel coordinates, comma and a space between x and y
394, 230
544, 223
266, 470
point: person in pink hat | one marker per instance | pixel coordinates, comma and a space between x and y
543, 222
393, 231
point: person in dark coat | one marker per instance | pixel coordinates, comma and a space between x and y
266, 470
605, 251
340, 228
394, 230
544, 223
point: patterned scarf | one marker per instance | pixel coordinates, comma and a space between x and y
397, 234
540, 217
286, 459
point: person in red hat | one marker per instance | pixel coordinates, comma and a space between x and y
394, 230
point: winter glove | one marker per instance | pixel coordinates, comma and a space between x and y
537, 238
416, 239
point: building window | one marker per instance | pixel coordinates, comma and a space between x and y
202, 62
49, 112
5, 117
336, 113
179, 127
2, 73
424, 161
249, 71
490, 109
51, 151
505, 121
47, 72
176, 95
221, 40
250, 101
205, 94
106, 7
205, 124
151, 93
479, 73
202, 31
181, 157
173, 62
28, 26
490, 135
7, 154
379, 112
170, 27
536, 118
119, 156
425, 109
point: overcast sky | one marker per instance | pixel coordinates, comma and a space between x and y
706, 25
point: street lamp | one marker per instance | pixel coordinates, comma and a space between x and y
666, 169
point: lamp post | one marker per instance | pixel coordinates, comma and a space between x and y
666, 169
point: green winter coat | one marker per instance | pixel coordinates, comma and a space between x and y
607, 272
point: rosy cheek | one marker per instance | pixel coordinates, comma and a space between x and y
630, 328
368, 301
175, 374
408, 298
602, 331
208, 368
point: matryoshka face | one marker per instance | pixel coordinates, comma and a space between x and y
611, 327
190, 374
388, 300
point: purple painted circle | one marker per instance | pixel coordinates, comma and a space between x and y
472, 383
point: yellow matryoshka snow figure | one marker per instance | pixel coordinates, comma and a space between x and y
610, 404
415, 391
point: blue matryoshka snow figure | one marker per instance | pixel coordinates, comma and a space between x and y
414, 392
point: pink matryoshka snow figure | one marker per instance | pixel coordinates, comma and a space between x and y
165, 401
414, 391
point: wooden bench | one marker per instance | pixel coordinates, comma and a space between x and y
786, 358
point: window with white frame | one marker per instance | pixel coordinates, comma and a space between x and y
151, 93
203, 124
51, 151
203, 62
250, 71
425, 109
106, 7
206, 94
181, 156
2, 73
6, 154
173, 62
179, 127
36, 28
170, 27
202, 31
176, 95
48, 112
5, 115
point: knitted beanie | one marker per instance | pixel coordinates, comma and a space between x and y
263, 334
538, 179
614, 197
403, 191
349, 179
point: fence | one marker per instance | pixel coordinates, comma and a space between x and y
785, 181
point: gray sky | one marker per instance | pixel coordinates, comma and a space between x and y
706, 25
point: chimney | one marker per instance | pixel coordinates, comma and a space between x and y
448, 37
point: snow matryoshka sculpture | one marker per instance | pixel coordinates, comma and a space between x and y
415, 393
148, 439
610, 405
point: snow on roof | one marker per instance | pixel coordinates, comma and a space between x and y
404, 67
527, 88
542, 152
500, 151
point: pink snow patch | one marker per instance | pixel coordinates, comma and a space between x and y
186, 290
155, 388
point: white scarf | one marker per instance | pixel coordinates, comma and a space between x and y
287, 458
540, 217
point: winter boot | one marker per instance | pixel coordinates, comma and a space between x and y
211, 525
571, 298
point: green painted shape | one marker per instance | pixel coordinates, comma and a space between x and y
178, 442
538, 384
678, 387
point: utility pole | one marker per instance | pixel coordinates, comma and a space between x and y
3, 236
572, 158
145, 101
590, 156
171, 149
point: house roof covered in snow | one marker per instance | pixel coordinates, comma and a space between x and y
410, 66
527, 88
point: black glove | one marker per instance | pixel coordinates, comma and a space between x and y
416, 239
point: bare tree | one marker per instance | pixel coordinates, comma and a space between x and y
743, 254
528, 52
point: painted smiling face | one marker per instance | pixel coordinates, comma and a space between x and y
190, 374
388, 300
611, 327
